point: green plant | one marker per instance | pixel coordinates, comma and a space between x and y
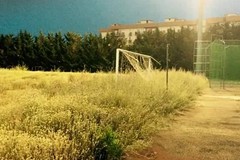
108, 146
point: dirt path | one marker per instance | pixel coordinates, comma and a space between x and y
211, 130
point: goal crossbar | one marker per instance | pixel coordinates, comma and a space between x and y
134, 53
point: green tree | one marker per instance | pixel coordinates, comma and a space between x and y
181, 48
60, 52
108, 47
9, 57
225, 31
152, 43
74, 56
25, 49
40, 52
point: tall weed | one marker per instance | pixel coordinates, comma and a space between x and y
56, 115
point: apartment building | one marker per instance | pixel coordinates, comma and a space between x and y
129, 31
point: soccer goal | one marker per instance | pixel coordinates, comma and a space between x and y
132, 61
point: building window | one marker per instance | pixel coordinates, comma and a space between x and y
116, 31
149, 29
130, 34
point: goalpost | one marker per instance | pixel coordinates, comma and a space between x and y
141, 63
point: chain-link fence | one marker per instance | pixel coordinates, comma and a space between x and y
220, 62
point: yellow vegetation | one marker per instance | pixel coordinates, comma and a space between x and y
55, 115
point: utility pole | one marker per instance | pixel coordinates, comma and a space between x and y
167, 60
200, 27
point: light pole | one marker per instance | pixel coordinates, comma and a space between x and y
199, 35
167, 59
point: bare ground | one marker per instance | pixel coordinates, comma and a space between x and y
210, 130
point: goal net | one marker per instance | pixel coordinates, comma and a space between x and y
127, 61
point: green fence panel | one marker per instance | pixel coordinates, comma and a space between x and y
232, 63
219, 61
216, 61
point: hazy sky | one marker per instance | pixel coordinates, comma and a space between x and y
83, 16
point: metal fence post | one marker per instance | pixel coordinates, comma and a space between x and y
167, 59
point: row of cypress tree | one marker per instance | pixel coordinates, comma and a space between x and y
91, 52
68, 52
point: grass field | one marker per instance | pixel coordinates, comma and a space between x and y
55, 115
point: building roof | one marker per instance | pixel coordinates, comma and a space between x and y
180, 23
149, 25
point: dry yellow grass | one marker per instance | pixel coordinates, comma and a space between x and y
46, 115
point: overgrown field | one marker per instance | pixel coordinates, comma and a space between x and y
54, 115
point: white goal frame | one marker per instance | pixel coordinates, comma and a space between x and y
150, 59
